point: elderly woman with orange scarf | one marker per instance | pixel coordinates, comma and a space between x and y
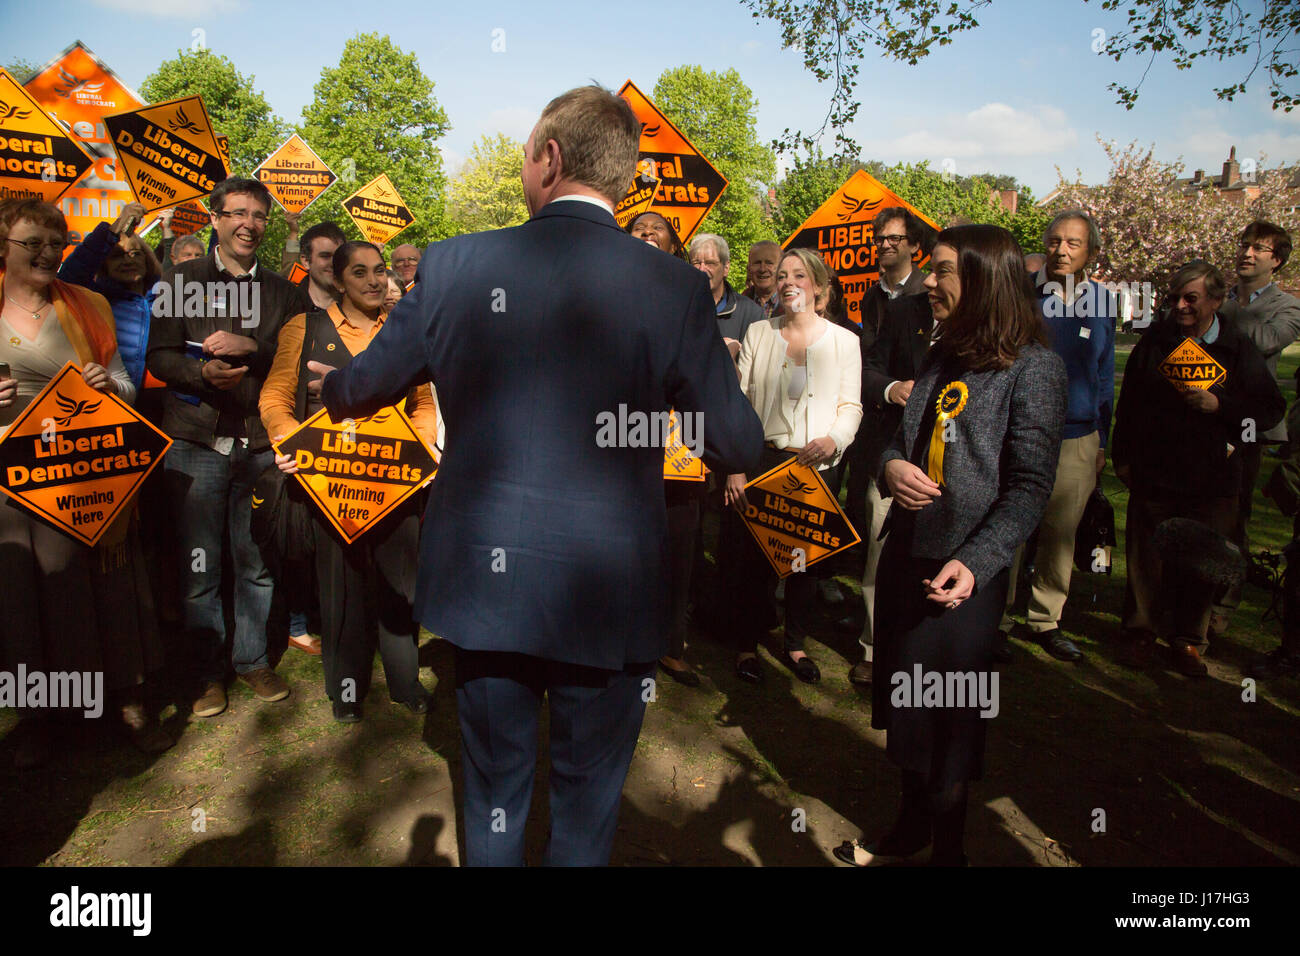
68, 608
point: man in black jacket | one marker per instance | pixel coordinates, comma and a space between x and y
889, 370
1180, 423
215, 327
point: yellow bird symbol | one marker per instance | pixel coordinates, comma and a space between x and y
793, 486
181, 121
854, 206
72, 407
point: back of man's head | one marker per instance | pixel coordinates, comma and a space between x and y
598, 135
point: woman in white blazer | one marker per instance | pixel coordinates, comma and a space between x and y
803, 375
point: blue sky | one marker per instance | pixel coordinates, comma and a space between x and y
1022, 95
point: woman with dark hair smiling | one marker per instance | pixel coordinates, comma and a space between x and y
970, 472
367, 587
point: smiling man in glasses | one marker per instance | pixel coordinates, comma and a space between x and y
212, 342
1270, 318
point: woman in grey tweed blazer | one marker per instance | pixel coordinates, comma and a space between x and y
970, 471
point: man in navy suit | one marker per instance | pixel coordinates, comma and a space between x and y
543, 551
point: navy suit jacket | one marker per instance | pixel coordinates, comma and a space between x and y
536, 539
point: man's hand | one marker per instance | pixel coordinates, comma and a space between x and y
816, 451
732, 346
286, 463
229, 344
1202, 400
130, 216
97, 377
165, 222
320, 368
1101, 460
220, 375
735, 490
910, 486
960, 585
899, 392
291, 220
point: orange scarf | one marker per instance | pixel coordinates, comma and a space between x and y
87, 321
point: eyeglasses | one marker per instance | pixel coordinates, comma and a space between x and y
1257, 247
888, 240
408, 261
707, 263
243, 215
34, 246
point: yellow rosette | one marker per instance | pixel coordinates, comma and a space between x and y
951, 401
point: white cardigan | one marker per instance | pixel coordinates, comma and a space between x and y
831, 403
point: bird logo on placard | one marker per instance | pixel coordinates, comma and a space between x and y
7, 112
71, 407
378, 418
793, 486
72, 83
381, 192
182, 122
650, 132
854, 206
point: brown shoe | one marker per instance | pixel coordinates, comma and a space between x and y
212, 701
267, 685
1187, 660
860, 673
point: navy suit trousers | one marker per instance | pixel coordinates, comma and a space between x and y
595, 719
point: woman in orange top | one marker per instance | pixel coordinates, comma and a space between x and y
367, 587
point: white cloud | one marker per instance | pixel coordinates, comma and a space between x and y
193, 10
992, 131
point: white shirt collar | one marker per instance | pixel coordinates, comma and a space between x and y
894, 291
221, 266
591, 199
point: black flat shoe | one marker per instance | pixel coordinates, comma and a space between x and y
687, 677
857, 853
416, 705
1058, 645
748, 669
805, 668
346, 713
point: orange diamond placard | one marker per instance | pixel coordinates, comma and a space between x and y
689, 186
295, 175
78, 89
795, 519
76, 456
357, 471
680, 462
1189, 366
168, 151
840, 232
378, 210
37, 159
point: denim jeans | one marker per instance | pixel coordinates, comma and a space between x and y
209, 493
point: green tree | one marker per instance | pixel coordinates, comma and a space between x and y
940, 196
488, 193
20, 69
237, 110
834, 36
806, 185
376, 113
718, 113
